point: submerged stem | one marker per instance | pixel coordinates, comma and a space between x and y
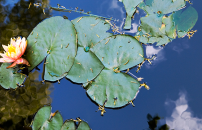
81, 12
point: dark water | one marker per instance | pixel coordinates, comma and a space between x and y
174, 78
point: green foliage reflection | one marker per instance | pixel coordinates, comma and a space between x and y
18, 105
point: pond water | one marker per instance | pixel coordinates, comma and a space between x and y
174, 77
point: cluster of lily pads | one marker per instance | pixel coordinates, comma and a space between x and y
84, 52
45, 120
164, 20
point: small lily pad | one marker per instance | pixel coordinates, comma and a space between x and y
44, 121
122, 51
185, 20
68, 125
116, 89
90, 30
83, 126
130, 6
86, 67
55, 40
9, 78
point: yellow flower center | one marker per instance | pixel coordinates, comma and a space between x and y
11, 49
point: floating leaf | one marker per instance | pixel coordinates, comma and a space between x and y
86, 67
90, 30
161, 6
68, 125
9, 78
53, 39
130, 6
19, 105
119, 51
185, 20
45, 121
159, 25
168, 25
83, 126
116, 89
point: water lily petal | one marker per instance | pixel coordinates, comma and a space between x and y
12, 65
18, 41
23, 46
12, 42
19, 61
5, 47
8, 60
19, 52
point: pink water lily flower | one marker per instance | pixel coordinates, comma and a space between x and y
14, 51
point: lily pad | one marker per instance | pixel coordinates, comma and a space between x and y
162, 6
86, 67
83, 126
185, 20
130, 6
9, 78
119, 51
168, 26
90, 30
158, 25
55, 40
68, 125
44, 121
116, 89
152, 30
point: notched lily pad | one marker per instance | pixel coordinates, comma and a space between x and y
116, 89
43, 120
86, 67
9, 78
90, 30
160, 26
185, 20
162, 6
83, 126
55, 39
68, 125
119, 51
130, 6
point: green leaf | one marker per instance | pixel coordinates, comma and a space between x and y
55, 40
116, 89
119, 51
9, 77
90, 30
169, 28
42, 115
55, 123
43, 121
86, 67
68, 125
152, 30
185, 20
130, 6
162, 6
158, 25
83, 126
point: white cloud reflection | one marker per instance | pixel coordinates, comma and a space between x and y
157, 51
182, 117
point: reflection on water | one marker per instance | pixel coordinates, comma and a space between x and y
182, 117
18, 19
18, 106
153, 123
157, 51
